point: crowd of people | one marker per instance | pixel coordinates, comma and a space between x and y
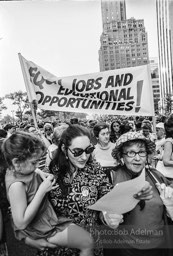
50, 175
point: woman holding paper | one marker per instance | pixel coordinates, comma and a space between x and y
143, 231
81, 182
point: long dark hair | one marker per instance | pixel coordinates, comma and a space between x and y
169, 127
60, 164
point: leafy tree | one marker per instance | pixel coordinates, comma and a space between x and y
168, 102
20, 99
7, 119
2, 106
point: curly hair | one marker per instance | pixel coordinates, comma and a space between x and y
130, 138
21, 145
98, 127
140, 143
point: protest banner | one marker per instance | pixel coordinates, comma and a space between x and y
126, 91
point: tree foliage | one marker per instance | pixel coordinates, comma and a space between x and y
2, 105
20, 99
168, 102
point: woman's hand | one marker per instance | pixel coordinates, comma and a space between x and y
146, 192
112, 219
40, 244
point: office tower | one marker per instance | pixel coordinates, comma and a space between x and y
123, 41
155, 82
164, 9
113, 10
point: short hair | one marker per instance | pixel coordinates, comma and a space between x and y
98, 127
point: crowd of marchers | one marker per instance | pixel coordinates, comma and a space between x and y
52, 173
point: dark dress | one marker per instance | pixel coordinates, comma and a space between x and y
88, 185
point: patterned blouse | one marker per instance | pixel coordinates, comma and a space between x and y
88, 185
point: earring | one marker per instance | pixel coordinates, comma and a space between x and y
66, 157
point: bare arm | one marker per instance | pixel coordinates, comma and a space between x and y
22, 212
167, 160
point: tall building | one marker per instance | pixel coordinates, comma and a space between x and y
155, 82
113, 10
124, 42
164, 9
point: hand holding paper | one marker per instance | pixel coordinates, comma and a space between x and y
121, 198
112, 219
146, 193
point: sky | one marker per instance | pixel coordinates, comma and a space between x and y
62, 37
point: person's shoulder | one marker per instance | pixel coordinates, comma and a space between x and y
158, 175
169, 140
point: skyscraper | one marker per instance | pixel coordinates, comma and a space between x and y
124, 41
113, 10
164, 10
155, 81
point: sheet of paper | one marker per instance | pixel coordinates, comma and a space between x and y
120, 199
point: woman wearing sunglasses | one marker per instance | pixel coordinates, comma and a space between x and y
81, 182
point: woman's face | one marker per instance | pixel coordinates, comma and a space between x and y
104, 136
136, 163
81, 142
116, 127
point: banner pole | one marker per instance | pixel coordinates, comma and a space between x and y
26, 79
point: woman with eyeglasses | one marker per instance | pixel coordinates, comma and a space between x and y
80, 182
145, 229
103, 148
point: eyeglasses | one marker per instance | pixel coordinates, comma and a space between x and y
46, 130
133, 153
79, 151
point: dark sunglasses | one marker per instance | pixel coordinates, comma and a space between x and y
79, 151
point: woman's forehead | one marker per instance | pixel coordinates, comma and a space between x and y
80, 142
134, 144
104, 130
